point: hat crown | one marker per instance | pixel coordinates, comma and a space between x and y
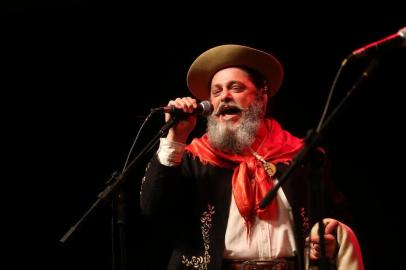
211, 61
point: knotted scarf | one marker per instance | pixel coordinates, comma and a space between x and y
250, 182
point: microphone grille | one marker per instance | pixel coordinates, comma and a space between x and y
207, 108
402, 33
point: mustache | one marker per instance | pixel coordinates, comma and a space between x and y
230, 105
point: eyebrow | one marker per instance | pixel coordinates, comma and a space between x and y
228, 84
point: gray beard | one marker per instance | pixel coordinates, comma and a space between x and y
231, 138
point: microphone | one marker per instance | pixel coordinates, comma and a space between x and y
395, 40
204, 108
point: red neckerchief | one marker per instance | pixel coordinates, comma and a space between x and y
278, 146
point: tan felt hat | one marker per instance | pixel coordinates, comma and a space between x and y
231, 55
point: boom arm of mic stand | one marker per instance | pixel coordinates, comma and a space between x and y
313, 137
116, 181
311, 140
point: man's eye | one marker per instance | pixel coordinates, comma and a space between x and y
236, 88
215, 92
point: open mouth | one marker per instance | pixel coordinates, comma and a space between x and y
228, 112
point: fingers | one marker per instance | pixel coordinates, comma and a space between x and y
314, 251
187, 104
329, 240
181, 130
330, 246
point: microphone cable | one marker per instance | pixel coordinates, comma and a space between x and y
330, 95
135, 140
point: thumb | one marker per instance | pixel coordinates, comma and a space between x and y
331, 225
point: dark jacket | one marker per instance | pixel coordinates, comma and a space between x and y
194, 199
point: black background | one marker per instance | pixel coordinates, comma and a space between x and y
80, 77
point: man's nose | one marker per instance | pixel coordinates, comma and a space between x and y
225, 95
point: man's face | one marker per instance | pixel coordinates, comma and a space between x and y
232, 92
238, 110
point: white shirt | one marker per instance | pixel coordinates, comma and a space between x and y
268, 239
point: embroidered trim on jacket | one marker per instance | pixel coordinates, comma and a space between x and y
305, 221
201, 262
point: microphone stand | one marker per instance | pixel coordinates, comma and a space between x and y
111, 194
118, 223
312, 138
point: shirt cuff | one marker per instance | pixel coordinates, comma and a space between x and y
170, 153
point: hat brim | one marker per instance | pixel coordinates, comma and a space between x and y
211, 61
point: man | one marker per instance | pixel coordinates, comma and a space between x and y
209, 190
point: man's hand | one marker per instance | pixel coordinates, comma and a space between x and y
329, 240
181, 130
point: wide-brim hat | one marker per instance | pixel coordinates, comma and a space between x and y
211, 61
